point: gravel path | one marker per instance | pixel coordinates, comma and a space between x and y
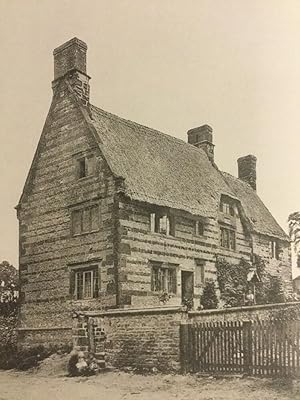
126, 386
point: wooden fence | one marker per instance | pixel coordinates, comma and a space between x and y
264, 348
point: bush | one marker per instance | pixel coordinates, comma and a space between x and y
26, 358
209, 298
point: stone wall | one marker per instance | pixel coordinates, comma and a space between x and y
48, 249
150, 338
55, 336
139, 247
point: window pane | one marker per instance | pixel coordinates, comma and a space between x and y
79, 285
95, 282
152, 222
94, 218
172, 280
90, 165
82, 168
200, 272
163, 224
76, 222
86, 220
87, 284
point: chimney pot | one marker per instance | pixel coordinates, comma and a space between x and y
70, 63
247, 170
70, 56
202, 138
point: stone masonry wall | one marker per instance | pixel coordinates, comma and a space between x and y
150, 338
48, 250
139, 247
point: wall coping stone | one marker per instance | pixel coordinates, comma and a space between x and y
131, 311
52, 328
243, 308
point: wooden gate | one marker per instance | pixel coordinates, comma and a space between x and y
265, 348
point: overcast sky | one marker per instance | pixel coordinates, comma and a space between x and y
172, 65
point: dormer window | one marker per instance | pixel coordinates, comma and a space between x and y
162, 223
227, 208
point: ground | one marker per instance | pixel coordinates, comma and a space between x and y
49, 382
117, 386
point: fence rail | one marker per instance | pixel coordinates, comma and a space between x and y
265, 348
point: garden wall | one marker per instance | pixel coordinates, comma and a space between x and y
150, 338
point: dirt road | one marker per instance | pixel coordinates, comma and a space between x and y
125, 386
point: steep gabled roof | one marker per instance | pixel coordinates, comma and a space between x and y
163, 170
159, 168
259, 216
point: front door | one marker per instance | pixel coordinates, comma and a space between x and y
187, 285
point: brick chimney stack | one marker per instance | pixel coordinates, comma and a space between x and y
202, 138
247, 170
70, 64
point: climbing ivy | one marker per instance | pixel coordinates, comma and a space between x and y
232, 281
233, 285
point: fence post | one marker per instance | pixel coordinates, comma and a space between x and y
186, 346
247, 346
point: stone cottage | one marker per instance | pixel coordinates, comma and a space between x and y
114, 213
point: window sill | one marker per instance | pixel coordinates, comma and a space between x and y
85, 178
85, 233
163, 235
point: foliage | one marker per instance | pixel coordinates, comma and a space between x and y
232, 281
209, 298
275, 292
188, 303
26, 358
9, 284
294, 226
164, 297
233, 285
8, 276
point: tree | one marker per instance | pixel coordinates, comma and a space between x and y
294, 227
8, 288
8, 275
209, 298
275, 293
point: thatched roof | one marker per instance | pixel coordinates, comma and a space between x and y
166, 171
257, 213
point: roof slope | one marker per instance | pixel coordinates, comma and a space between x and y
159, 168
167, 171
259, 216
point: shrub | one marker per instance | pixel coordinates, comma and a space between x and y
26, 358
209, 298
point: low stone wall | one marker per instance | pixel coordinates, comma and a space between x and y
150, 338
59, 336
254, 313
142, 339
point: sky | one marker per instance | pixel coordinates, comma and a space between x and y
168, 64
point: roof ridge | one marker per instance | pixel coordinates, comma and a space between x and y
131, 123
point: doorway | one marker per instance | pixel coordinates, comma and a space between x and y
187, 285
